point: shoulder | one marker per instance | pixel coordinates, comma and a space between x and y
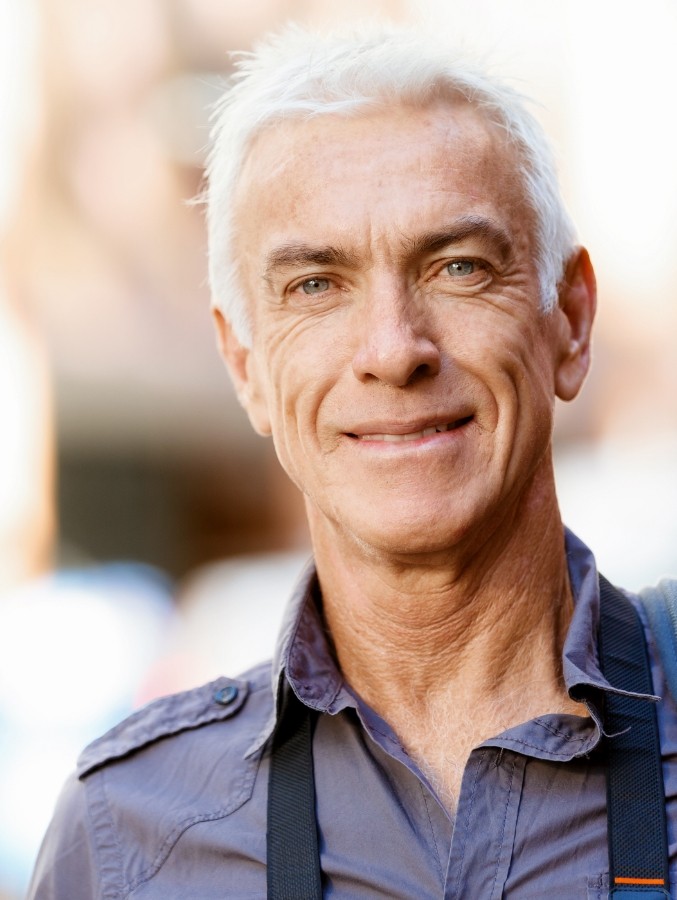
658, 605
183, 759
184, 718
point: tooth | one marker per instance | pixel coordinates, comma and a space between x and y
413, 435
398, 438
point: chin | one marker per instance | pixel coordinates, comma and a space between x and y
401, 523
415, 536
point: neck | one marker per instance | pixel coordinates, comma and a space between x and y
481, 620
453, 648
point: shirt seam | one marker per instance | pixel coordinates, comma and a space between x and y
387, 737
505, 819
180, 829
432, 832
466, 823
108, 849
550, 753
553, 730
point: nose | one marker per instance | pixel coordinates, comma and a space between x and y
395, 346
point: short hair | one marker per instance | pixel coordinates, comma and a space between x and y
300, 74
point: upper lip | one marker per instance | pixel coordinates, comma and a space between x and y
390, 426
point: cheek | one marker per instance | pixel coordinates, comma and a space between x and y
512, 362
300, 375
306, 356
529, 370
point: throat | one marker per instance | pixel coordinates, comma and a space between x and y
454, 681
453, 649
440, 733
483, 647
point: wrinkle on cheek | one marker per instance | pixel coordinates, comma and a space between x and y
298, 389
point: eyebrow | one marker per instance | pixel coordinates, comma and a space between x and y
300, 254
290, 255
465, 227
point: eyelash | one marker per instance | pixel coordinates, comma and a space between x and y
297, 287
481, 267
480, 263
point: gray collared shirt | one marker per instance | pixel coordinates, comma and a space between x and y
171, 804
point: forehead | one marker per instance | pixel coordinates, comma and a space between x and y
386, 170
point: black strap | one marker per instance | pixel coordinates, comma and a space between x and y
638, 851
293, 851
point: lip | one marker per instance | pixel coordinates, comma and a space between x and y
383, 432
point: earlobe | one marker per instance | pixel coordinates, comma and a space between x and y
240, 364
577, 304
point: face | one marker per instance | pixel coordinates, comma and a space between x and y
399, 356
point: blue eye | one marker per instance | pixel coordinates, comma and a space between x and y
461, 267
315, 285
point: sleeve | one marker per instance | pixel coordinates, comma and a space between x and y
66, 867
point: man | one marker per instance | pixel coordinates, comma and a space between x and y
399, 299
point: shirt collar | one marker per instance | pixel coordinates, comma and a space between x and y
304, 660
303, 657
580, 658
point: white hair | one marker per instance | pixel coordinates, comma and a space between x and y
300, 74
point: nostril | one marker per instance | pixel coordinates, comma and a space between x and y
424, 370
395, 354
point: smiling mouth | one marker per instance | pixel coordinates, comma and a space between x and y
413, 435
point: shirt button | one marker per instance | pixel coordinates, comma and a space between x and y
226, 695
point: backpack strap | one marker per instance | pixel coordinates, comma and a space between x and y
638, 848
293, 869
660, 603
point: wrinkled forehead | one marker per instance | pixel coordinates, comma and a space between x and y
277, 149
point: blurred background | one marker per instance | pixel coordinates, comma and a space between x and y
147, 537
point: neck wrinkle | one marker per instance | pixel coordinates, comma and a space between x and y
405, 633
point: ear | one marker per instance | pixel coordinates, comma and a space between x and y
240, 363
577, 304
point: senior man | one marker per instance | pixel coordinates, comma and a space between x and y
399, 298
